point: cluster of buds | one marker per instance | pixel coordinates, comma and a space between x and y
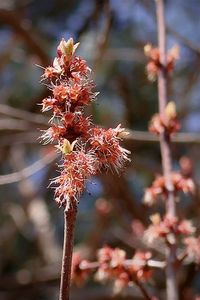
167, 228
166, 122
113, 265
192, 247
86, 150
81, 269
158, 188
154, 64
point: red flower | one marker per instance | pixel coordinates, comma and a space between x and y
78, 166
192, 247
79, 68
154, 64
140, 267
167, 228
158, 187
114, 266
105, 144
166, 122
72, 89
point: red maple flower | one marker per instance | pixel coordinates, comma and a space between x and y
85, 149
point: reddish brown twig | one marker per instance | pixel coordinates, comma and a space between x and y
69, 224
142, 289
172, 290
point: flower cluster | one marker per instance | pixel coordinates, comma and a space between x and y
154, 64
112, 264
192, 247
81, 269
167, 228
158, 188
166, 122
86, 150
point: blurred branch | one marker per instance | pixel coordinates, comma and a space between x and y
134, 136
36, 210
182, 138
103, 37
134, 242
22, 114
125, 54
14, 21
13, 124
28, 171
117, 190
92, 17
188, 43
25, 279
20, 138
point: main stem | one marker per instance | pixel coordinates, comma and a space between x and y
69, 225
171, 282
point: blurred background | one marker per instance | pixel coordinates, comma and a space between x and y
112, 35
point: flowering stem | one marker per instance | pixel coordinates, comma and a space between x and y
69, 225
171, 282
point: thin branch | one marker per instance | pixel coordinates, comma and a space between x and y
134, 135
13, 20
13, 124
69, 224
188, 43
180, 138
172, 289
128, 262
103, 37
22, 114
142, 289
19, 138
28, 171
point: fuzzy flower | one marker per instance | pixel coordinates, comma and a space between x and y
78, 166
106, 145
69, 80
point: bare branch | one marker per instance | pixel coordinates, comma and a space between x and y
171, 281
13, 20
28, 171
22, 114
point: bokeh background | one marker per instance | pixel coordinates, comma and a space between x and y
112, 35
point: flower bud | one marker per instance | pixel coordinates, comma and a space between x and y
66, 147
170, 110
67, 47
147, 49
